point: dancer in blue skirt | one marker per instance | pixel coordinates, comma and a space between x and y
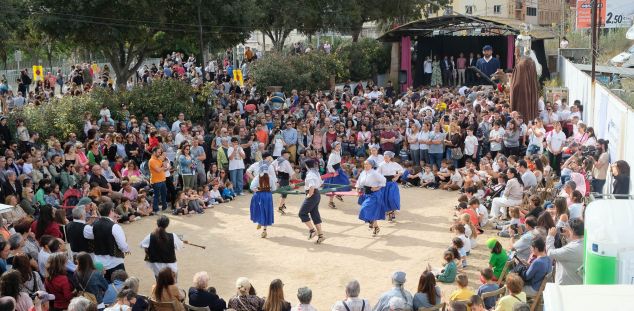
392, 171
340, 177
374, 154
372, 183
262, 200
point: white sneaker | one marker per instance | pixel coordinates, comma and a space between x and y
214, 203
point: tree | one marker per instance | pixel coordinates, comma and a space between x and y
349, 16
9, 21
278, 18
126, 32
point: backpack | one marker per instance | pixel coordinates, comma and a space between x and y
83, 293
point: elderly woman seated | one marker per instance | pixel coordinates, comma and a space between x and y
246, 298
200, 295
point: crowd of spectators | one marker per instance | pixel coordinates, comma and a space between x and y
526, 180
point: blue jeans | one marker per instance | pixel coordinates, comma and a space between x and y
415, 154
160, 193
597, 185
435, 159
236, 179
424, 155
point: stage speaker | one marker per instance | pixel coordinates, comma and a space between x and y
402, 77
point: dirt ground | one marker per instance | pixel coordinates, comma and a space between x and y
235, 249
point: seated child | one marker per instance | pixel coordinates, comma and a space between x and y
514, 211
471, 231
459, 245
449, 271
215, 193
181, 206
476, 303
486, 277
143, 207
195, 203
205, 195
125, 211
455, 180
459, 231
463, 293
227, 192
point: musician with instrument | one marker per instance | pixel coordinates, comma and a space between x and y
161, 246
112, 245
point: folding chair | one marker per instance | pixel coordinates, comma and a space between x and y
192, 308
534, 301
505, 271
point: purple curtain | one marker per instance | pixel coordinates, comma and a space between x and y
510, 52
406, 61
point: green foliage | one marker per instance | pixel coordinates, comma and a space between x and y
365, 58
310, 71
65, 115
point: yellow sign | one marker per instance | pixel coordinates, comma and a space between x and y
38, 73
237, 75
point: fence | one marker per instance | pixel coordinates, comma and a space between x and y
13, 74
609, 115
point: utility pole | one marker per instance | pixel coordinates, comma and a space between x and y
200, 33
594, 40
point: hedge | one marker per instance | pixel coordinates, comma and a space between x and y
64, 115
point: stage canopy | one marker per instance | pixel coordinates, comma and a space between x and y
451, 35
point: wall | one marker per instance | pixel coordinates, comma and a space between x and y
610, 116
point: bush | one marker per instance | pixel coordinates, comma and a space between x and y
63, 116
310, 71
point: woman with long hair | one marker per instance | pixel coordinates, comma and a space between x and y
559, 212
46, 223
275, 300
621, 173
261, 207
86, 278
165, 289
57, 282
511, 139
371, 183
428, 293
339, 177
31, 280
10, 285
512, 196
160, 247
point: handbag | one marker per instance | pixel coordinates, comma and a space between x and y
83, 293
456, 153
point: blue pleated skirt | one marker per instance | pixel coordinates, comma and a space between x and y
341, 179
391, 197
372, 207
262, 208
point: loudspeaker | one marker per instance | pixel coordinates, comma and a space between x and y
402, 77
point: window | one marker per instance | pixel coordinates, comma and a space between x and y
531, 11
497, 9
469, 9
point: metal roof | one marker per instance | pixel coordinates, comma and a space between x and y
463, 25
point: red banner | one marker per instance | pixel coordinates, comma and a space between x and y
584, 13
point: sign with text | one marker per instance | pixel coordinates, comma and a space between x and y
610, 13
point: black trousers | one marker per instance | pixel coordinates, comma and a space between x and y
110, 271
310, 209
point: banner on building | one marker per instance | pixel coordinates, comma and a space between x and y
38, 73
610, 14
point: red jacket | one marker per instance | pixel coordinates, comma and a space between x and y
61, 287
52, 229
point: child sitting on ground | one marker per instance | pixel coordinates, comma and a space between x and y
459, 231
459, 245
449, 271
455, 180
181, 206
514, 222
476, 303
463, 292
486, 277
125, 211
227, 192
427, 179
143, 207
205, 195
215, 193
442, 176
471, 231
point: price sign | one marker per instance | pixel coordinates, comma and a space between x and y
610, 14
618, 14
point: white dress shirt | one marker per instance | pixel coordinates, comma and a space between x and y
108, 261
390, 169
333, 159
370, 178
158, 266
377, 158
312, 180
283, 166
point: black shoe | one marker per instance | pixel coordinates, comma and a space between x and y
340, 198
311, 234
376, 231
320, 239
